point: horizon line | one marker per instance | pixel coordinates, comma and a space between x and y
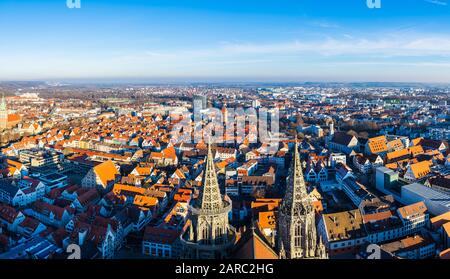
208, 81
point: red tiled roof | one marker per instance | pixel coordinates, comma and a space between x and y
8, 213
161, 235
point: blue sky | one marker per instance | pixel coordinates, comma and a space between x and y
230, 40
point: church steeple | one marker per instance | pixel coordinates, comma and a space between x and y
3, 113
299, 186
210, 234
210, 199
296, 191
297, 233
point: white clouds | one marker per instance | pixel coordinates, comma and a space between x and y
397, 64
406, 55
392, 46
393, 56
431, 46
437, 2
323, 24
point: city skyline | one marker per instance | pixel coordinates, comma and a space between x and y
259, 41
224, 172
214, 134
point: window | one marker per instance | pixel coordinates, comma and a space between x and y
205, 233
297, 235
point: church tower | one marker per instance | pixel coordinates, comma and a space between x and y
297, 233
330, 136
209, 235
225, 113
3, 114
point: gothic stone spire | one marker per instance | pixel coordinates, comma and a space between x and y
296, 192
210, 199
210, 235
296, 217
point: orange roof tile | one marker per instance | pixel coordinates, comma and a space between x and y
118, 188
397, 154
143, 170
416, 150
16, 164
145, 201
252, 246
318, 206
170, 152
395, 144
416, 141
377, 216
440, 220
412, 209
267, 220
392, 166
421, 169
377, 144
270, 203
446, 228
14, 117
106, 171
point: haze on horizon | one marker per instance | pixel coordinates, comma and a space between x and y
236, 41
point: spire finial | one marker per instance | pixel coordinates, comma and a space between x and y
282, 251
209, 144
253, 227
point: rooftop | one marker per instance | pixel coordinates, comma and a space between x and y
407, 244
344, 225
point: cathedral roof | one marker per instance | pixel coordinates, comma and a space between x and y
253, 246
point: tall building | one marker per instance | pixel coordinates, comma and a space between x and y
297, 232
209, 235
7, 120
3, 114
200, 102
225, 113
330, 135
256, 104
